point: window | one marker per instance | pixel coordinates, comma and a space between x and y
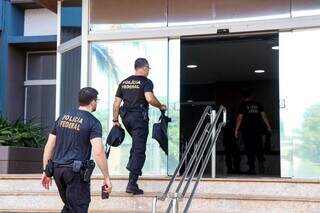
40, 87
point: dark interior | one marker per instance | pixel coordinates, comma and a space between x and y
226, 67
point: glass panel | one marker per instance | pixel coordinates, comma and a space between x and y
114, 14
300, 103
70, 20
70, 79
305, 8
183, 12
41, 105
41, 66
113, 62
174, 104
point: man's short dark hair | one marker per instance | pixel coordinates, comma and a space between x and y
140, 63
86, 95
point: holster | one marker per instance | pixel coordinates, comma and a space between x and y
88, 167
49, 169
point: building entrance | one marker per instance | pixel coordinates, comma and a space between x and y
222, 71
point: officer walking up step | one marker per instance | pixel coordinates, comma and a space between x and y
67, 154
136, 92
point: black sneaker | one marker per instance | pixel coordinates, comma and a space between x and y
134, 189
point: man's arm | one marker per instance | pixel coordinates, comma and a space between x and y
116, 108
265, 120
49, 149
239, 120
47, 155
100, 157
151, 98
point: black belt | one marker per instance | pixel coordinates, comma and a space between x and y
135, 109
56, 165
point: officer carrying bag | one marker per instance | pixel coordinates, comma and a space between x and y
160, 132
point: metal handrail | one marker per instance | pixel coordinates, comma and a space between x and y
203, 167
202, 151
203, 142
184, 156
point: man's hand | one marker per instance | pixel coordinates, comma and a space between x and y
108, 186
46, 181
163, 107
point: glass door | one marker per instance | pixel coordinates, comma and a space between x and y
300, 103
111, 62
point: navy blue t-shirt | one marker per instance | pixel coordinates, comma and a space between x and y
73, 131
132, 90
251, 111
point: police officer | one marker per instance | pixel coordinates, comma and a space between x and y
70, 142
136, 92
249, 120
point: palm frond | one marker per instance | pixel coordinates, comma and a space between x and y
105, 62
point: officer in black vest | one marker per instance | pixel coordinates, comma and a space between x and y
136, 92
68, 150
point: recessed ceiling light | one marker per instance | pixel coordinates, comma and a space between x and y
192, 66
259, 71
275, 47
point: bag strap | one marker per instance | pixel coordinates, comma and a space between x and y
108, 149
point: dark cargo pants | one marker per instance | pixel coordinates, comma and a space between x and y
74, 192
253, 147
137, 126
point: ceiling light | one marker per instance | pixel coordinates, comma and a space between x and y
275, 47
192, 66
259, 71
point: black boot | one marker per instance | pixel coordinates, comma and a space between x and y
132, 186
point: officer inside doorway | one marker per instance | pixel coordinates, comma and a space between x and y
136, 92
250, 120
68, 150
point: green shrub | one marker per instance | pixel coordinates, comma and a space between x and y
20, 134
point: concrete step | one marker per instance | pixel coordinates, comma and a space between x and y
241, 186
23, 193
202, 203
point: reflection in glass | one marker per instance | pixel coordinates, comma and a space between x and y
300, 98
70, 21
192, 12
115, 15
113, 62
70, 79
305, 8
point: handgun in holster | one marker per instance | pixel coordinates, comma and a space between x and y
49, 169
88, 167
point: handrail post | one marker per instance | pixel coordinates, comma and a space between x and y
213, 156
154, 205
175, 208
